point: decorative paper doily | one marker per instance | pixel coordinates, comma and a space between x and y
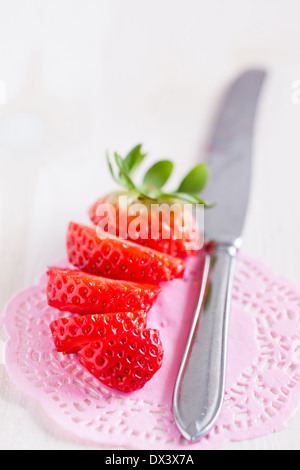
263, 377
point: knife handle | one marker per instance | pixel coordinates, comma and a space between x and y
199, 390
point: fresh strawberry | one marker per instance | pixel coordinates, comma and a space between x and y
97, 253
78, 292
169, 223
70, 334
177, 235
125, 361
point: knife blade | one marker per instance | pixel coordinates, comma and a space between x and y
199, 388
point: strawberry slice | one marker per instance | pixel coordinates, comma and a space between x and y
70, 334
178, 236
125, 361
78, 292
100, 254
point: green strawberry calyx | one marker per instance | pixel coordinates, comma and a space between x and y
156, 177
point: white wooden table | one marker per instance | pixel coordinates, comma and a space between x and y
78, 77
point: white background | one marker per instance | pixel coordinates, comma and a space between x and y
81, 77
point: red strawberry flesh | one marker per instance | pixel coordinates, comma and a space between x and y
70, 334
79, 292
126, 361
98, 253
188, 243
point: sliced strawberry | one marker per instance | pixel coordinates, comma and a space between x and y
78, 292
124, 361
70, 334
178, 236
98, 253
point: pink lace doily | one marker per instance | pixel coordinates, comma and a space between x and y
263, 377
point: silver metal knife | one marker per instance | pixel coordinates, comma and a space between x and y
199, 389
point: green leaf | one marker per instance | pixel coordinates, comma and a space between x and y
190, 198
111, 168
119, 161
125, 179
133, 159
184, 197
195, 181
158, 174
